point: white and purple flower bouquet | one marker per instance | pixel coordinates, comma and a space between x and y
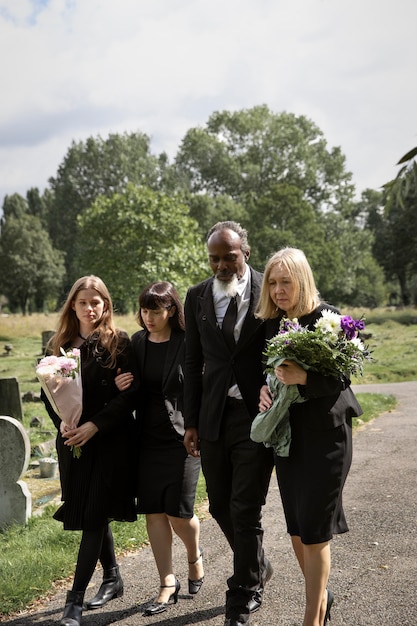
60, 378
333, 348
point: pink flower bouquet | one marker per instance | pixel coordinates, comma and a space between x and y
60, 378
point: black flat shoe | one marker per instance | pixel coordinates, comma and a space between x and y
160, 607
330, 600
255, 602
73, 609
194, 586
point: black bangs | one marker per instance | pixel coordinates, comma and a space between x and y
157, 295
150, 300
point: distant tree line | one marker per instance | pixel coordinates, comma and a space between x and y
117, 210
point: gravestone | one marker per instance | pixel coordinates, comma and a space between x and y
15, 498
46, 335
10, 399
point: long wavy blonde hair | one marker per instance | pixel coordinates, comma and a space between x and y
299, 270
104, 331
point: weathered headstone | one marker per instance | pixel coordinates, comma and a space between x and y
45, 448
10, 399
36, 422
15, 498
46, 335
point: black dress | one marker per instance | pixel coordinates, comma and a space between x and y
312, 477
167, 475
99, 486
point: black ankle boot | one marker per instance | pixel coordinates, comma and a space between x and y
111, 587
73, 609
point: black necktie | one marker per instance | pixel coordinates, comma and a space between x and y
229, 323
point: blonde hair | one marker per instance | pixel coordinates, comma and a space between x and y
299, 270
104, 332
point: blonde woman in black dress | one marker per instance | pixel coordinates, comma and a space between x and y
312, 477
167, 475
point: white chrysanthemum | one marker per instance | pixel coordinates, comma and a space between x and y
329, 322
358, 343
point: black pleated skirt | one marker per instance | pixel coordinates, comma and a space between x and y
97, 488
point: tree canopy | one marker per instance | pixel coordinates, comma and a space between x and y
289, 188
244, 153
136, 237
32, 270
391, 216
99, 167
116, 209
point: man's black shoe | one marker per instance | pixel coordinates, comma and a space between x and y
235, 622
256, 601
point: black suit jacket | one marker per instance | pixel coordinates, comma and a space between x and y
209, 363
172, 376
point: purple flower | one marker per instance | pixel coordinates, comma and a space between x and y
350, 326
289, 325
360, 325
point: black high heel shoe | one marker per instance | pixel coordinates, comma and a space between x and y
194, 586
330, 600
160, 607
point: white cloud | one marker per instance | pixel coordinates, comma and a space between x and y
75, 68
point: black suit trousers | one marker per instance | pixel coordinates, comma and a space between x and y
237, 472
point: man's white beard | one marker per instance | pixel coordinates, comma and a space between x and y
226, 288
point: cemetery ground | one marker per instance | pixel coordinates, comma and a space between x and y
46, 554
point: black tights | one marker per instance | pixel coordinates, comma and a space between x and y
95, 545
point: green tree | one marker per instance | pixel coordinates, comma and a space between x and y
14, 206
285, 218
354, 278
338, 250
134, 238
390, 215
371, 208
243, 154
40, 204
207, 210
32, 270
405, 183
400, 225
292, 188
99, 167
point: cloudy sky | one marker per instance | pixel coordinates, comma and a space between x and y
75, 68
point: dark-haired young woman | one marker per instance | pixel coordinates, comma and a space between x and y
167, 475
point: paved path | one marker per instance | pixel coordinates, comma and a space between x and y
374, 565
